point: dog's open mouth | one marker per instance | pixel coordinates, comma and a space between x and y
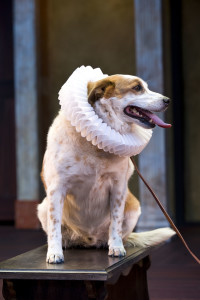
145, 116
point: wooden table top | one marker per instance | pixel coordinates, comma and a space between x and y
80, 264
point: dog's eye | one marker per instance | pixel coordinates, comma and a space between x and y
137, 88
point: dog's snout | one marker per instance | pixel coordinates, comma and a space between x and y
166, 100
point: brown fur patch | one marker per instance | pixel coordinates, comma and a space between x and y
113, 86
42, 175
123, 85
55, 221
119, 203
131, 203
51, 193
77, 158
97, 90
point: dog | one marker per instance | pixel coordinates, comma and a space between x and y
87, 201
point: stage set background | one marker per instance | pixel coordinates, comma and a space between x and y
42, 42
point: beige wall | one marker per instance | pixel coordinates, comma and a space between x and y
191, 77
74, 33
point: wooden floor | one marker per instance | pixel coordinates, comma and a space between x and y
173, 275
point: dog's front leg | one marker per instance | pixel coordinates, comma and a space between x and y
117, 203
54, 217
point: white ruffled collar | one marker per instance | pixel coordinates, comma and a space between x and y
75, 106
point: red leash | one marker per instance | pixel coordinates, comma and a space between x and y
165, 213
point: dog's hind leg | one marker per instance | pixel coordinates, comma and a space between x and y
42, 214
132, 213
142, 239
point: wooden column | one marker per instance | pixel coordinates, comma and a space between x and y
149, 66
26, 113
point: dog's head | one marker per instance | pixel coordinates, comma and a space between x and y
125, 100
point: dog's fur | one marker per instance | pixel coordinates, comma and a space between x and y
87, 188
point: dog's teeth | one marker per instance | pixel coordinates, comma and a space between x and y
133, 110
150, 121
136, 112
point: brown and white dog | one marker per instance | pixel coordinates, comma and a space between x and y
88, 202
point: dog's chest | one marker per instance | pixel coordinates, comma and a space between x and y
90, 185
91, 180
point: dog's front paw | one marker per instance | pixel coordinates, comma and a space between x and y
117, 251
55, 258
116, 247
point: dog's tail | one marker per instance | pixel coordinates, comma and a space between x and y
149, 238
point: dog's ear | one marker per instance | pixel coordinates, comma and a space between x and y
99, 89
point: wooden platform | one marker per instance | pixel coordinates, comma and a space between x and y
85, 274
173, 273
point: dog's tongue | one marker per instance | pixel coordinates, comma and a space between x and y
156, 120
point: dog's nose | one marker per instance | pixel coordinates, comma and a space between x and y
166, 100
